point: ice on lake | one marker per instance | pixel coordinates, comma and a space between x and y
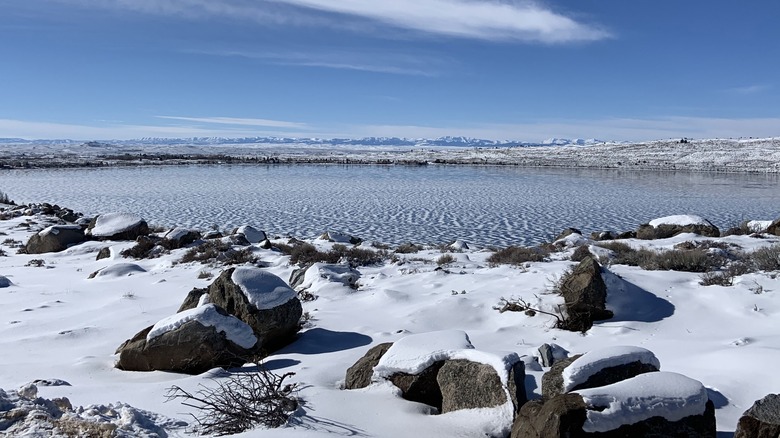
488, 205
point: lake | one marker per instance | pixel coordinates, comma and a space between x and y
395, 204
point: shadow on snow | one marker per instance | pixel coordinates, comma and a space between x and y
630, 302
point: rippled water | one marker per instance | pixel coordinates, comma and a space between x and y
393, 204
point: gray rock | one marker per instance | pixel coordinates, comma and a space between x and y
104, 253
133, 226
564, 416
4, 282
603, 235
55, 238
180, 237
276, 327
585, 296
297, 275
552, 381
762, 420
561, 416
648, 232
774, 228
359, 374
191, 348
551, 353
467, 385
250, 233
421, 388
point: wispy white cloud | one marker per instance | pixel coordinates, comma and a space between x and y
391, 63
474, 19
239, 121
489, 20
750, 89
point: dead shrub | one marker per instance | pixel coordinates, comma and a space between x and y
518, 255
217, 251
766, 258
445, 259
240, 402
307, 254
580, 253
408, 248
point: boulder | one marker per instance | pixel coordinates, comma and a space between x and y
564, 416
762, 420
552, 381
567, 232
561, 416
251, 234
104, 253
359, 374
649, 405
260, 299
4, 281
669, 226
422, 387
585, 296
603, 235
551, 353
55, 238
180, 237
189, 344
469, 385
117, 226
333, 236
774, 228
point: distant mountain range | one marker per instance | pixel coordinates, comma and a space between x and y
366, 141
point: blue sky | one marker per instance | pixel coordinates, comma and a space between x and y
607, 69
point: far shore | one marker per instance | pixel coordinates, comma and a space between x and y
722, 156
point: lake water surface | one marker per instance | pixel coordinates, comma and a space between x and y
394, 204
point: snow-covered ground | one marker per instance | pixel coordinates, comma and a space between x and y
56, 324
713, 155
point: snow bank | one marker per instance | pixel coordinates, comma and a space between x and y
113, 223
263, 289
758, 226
592, 362
662, 394
234, 329
55, 229
681, 220
328, 273
120, 270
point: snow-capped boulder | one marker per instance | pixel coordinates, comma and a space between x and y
603, 235
650, 404
669, 226
761, 420
599, 367
4, 282
260, 299
117, 226
180, 237
192, 342
442, 369
55, 238
336, 237
585, 295
251, 234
